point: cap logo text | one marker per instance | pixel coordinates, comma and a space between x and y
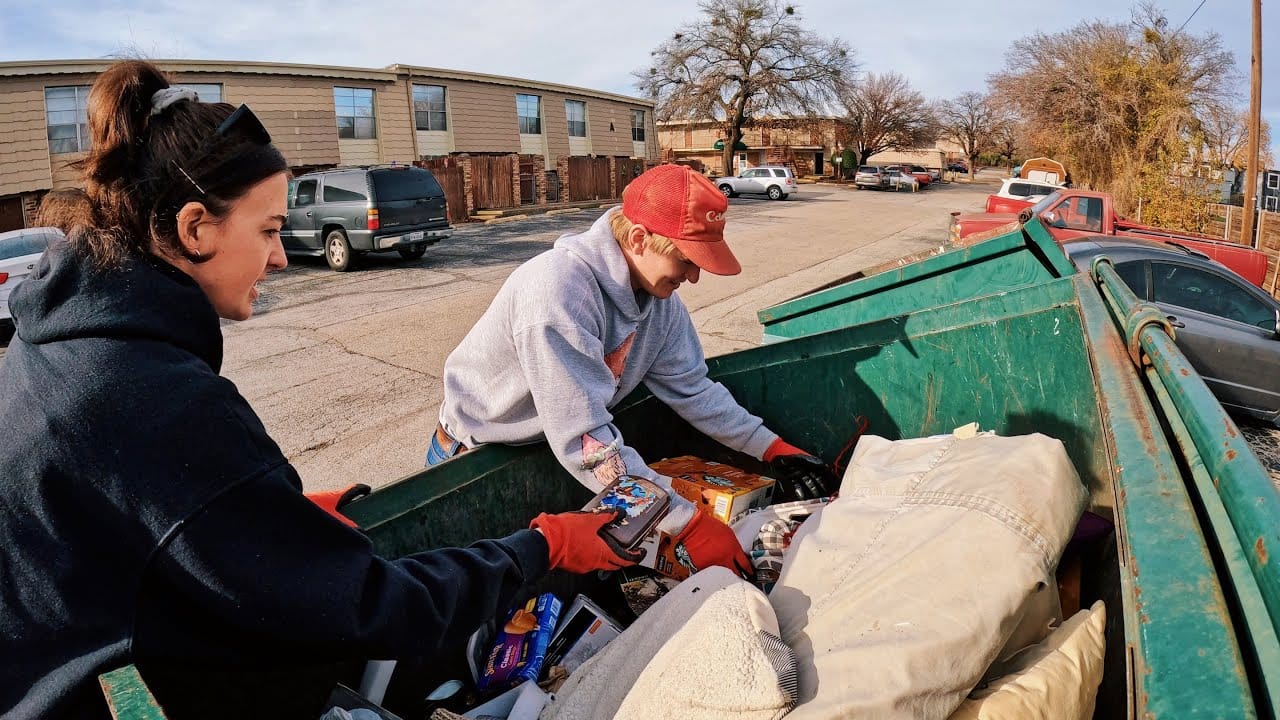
715, 217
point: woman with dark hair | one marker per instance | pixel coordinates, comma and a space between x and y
145, 515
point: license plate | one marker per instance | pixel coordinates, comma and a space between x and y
414, 236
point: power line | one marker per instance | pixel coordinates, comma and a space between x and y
1193, 14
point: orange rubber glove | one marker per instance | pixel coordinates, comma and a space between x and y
801, 475
578, 544
710, 542
331, 501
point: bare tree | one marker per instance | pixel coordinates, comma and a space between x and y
883, 113
742, 60
969, 121
1226, 137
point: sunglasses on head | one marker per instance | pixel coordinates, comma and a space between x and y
241, 122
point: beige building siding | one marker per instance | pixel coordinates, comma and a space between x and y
485, 117
24, 141
395, 124
358, 152
435, 142
297, 111
63, 175
580, 146
555, 127
600, 115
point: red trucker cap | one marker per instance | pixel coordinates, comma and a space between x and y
679, 203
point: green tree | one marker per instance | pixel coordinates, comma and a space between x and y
741, 61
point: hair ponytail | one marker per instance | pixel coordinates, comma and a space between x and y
131, 173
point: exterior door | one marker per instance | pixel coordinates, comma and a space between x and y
11, 214
299, 233
1225, 330
817, 164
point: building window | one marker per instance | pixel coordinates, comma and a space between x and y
637, 125
576, 113
354, 108
530, 117
208, 92
66, 116
428, 107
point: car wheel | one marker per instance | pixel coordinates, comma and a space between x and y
727, 189
412, 252
775, 193
337, 251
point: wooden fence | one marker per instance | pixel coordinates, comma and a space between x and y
589, 179
627, 170
1225, 223
491, 178
450, 175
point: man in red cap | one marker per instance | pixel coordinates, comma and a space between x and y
574, 330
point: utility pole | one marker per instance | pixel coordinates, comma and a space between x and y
1255, 115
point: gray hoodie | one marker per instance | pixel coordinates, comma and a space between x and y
566, 339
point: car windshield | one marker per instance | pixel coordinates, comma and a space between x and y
1047, 202
407, 184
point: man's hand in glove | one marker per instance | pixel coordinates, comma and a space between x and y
577, 542
334, 500
801, 476
710, 542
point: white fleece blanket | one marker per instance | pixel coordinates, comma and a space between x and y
708, 649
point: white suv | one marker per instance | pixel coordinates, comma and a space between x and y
775, 181
19, 252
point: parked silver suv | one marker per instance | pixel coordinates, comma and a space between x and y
775, 181
348, 212
871, 176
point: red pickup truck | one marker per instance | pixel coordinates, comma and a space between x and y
1069, 213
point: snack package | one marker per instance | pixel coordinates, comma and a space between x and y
722, 490
521, 644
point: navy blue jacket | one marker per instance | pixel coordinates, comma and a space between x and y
146, 516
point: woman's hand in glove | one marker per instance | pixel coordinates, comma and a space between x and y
710, 542
801, 476
577, 542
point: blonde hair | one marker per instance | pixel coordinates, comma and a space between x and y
622, 227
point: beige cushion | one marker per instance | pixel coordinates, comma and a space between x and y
708, 649
899, 595
1054, 680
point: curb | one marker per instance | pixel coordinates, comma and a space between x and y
505, 219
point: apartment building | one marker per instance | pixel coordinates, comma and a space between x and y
323, 116
808, 144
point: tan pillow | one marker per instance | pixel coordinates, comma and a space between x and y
708, 649
1055, 680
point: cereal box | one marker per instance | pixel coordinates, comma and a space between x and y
724, 491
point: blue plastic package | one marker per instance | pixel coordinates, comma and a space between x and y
521, 645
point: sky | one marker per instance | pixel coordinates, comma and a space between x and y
943, 48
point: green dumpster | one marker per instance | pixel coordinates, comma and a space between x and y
1018, 258
1191, 579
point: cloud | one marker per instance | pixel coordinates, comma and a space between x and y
943, 47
